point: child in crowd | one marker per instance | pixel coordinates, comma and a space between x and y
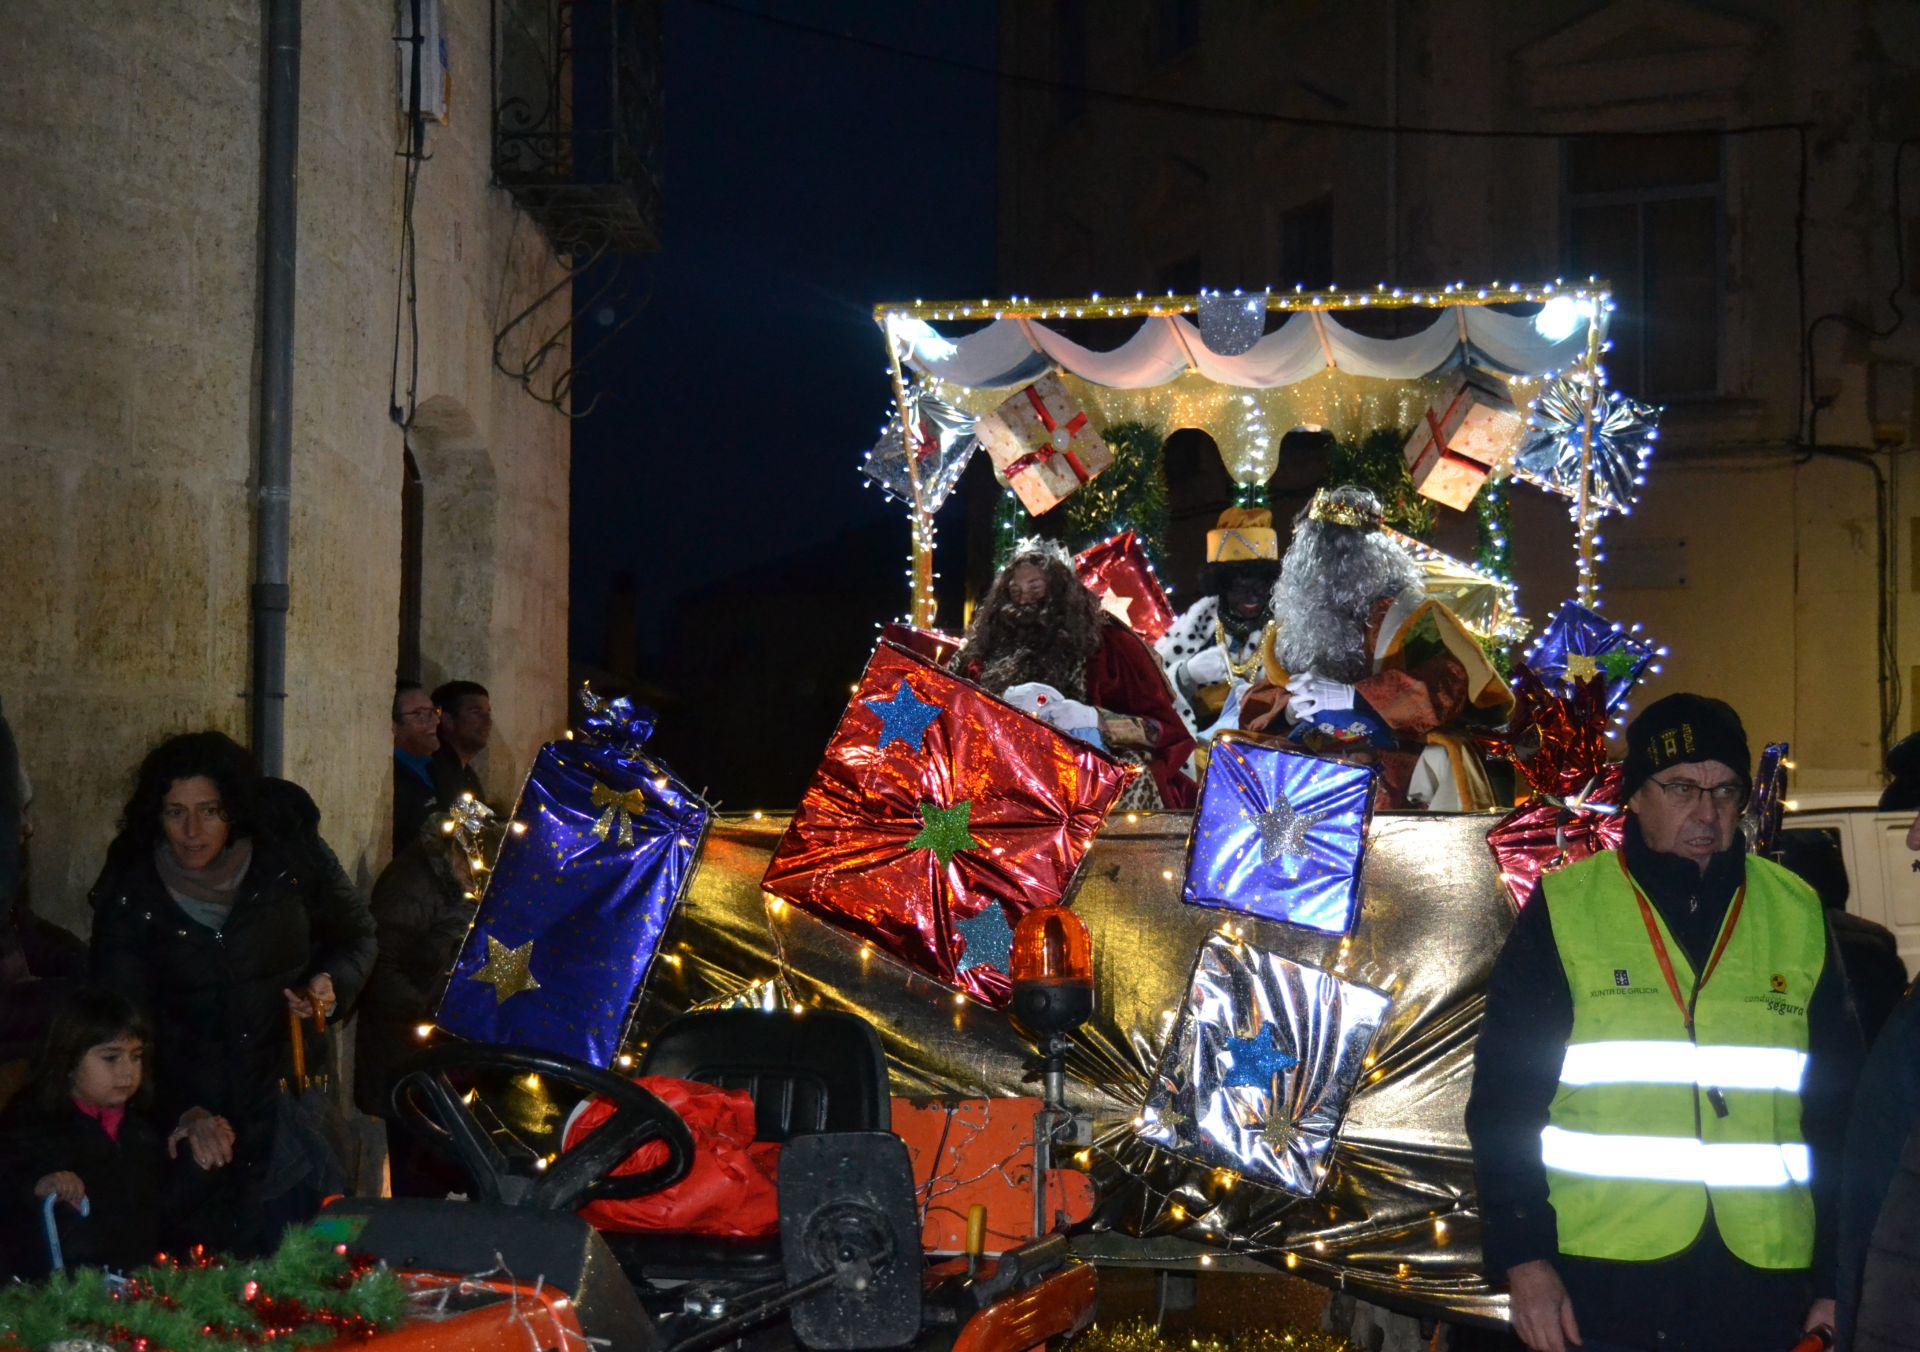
76, 1133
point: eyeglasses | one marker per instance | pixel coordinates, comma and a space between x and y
1687, 792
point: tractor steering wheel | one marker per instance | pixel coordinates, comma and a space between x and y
578, 1176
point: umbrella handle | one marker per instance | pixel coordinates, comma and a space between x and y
299, 1049
58, 1259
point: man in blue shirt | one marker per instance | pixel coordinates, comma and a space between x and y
416, 736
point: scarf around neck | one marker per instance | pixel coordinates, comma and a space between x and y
206, 894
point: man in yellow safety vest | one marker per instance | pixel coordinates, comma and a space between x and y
1661, 1085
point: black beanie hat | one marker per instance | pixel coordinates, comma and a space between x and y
1684, 729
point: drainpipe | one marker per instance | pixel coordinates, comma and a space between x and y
273, 475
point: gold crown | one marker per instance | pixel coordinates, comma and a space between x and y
1326, 508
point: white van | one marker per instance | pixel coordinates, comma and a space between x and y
1882, 873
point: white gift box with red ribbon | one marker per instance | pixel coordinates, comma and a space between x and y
1044, 444
1466, 434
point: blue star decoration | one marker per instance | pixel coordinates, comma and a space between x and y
989, 938
903, 718
1256, 1061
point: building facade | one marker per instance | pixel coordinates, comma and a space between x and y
1755, 248
130, 263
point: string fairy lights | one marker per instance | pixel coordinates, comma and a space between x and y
1252, 457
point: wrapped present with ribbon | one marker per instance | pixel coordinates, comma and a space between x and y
1767, 804
1280, 835
1463, 436
598, 851
937, 818
931, 456
1579, 644
1118, 572
1558, 744
1044, 444
1265, 1055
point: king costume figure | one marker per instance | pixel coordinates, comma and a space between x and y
1364, 665
1040, 640
1216, 644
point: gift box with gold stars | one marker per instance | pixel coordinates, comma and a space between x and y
597, 853
1280, 835
1264, 1057
937, 818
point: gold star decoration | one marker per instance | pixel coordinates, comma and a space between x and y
508, 970
1581, 667
1118, 606
1278, 1133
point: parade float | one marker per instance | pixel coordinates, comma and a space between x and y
1275, 995
1286, 981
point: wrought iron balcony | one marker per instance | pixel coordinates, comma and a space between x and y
576, 119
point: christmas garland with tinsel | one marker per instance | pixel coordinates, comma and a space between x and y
310, 1291
1377, 463
1139, 1335
1130, 494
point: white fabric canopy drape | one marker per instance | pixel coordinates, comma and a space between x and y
1012, 352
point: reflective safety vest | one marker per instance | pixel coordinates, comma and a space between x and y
1653, 1120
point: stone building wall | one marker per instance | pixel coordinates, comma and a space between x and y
1754, 562
128, 405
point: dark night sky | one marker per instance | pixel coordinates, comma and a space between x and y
804, 179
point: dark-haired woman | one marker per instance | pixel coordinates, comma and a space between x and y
220, 909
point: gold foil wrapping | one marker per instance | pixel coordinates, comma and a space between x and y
1395, 1217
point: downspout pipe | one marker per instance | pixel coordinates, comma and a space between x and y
273, 470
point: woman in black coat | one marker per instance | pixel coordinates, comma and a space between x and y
220, 909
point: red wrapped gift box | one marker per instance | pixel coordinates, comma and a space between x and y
1559, 746
937, 818
1118, 572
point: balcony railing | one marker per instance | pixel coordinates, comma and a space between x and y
576, 119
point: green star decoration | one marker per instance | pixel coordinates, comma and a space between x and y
945, 832
1619, 664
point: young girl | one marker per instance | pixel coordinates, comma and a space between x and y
76, 1133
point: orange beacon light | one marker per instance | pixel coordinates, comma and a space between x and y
1052, 973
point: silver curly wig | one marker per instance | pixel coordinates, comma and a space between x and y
1330, 579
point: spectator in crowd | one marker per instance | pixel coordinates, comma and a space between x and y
416, 737
1902, 793
1869, 951
220, 908
423, 905
1879, 1244
1663, 1076
466, 725
39, 961
80, 1133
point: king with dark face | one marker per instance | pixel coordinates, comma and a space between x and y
1217, 641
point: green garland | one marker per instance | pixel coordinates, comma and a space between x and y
1376, 462
307, 1292
1139, 1335
1130, 494
1492, 529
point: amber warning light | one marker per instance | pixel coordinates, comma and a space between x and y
1052, 971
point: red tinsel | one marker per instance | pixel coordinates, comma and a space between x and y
1559, 746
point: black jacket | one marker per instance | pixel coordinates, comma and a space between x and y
221, 1039
422, 915
1529, 1018
1886, 1121
414, 800
123, 1179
